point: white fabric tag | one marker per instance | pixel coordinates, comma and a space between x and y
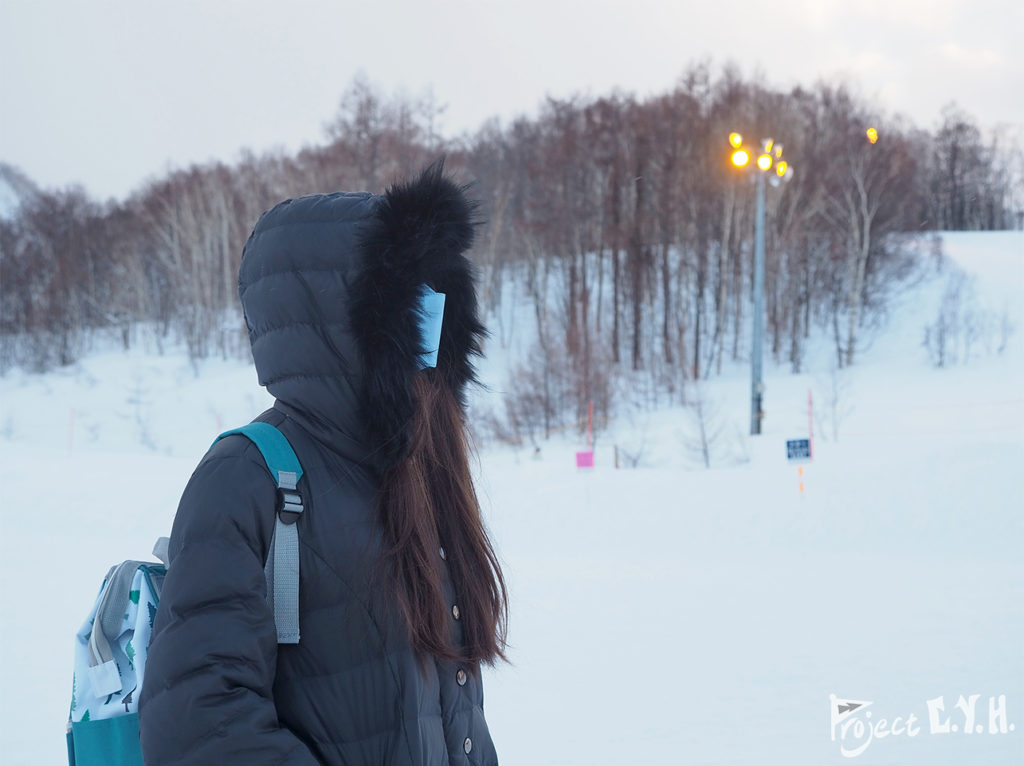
105, 679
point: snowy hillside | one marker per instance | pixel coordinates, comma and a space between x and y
662, 613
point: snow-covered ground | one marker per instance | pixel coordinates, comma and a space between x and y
664, 613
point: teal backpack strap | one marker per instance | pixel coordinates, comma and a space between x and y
282, 566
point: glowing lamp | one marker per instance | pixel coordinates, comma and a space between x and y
872, 135
735, 140
764, 161
781, 169
740, 158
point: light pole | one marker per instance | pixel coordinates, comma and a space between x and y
770, 154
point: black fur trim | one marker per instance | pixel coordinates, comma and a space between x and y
418, 235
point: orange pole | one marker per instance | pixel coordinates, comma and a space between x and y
590, 424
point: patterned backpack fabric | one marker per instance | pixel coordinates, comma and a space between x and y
110, 662
111, 646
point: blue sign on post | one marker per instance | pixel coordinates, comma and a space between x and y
798, 449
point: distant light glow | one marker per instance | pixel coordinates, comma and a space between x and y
768, 144
781, 169
740, 158
764, 161
735, 140
872, 135
778, 151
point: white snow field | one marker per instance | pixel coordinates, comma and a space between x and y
661, 614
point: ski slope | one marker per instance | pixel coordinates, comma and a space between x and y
661, 614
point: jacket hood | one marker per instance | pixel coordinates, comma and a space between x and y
330, 286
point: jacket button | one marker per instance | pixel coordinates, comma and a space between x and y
467, 745
444, 556
461, 677
455, 612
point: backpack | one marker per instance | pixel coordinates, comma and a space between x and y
112, 645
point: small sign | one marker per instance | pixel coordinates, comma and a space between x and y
798, 449
585, 459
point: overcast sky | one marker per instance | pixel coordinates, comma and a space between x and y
109, 92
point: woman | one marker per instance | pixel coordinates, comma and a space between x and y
401, 595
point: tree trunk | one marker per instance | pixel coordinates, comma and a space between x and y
721, 298
666, 287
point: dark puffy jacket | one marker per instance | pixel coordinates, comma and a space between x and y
328, 284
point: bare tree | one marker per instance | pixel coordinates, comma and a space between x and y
864, 197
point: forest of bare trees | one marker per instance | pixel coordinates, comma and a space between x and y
621, 218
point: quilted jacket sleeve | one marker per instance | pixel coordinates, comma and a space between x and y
207, 697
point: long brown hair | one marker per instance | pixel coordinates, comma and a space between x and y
428, 501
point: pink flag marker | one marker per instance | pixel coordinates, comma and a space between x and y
585, 459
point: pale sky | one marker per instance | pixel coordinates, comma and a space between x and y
106, 93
